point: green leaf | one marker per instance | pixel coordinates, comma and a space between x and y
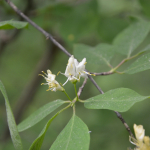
39, 115
11, 121
101, 54
13, 24
145, 49
120, 99
36, 145
130, 38
141, 64
75, 136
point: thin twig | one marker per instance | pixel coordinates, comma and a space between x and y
96, 85
47, 35
11, 38
125, 124
81, 88
65, 51
101, 73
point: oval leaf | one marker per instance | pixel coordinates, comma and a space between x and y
120, 100
130, 38
40, 114
101, 54
141, 64
75, 136
13, 24
11, 121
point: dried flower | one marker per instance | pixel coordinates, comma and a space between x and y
51, 82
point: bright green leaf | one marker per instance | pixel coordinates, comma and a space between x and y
120, 99
75, 136
13, 24
141, 64
11, 121
130, 38
39, 115
101, 54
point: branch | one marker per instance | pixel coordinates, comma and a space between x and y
101, 73
6, 41
81, 88
49, 36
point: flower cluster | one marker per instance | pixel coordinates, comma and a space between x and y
142, 142
51, 82
74, 71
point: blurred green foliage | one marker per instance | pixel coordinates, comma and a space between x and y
88, 22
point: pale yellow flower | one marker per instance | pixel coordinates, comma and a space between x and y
51, 82
141, 142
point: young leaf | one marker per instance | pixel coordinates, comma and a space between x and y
141, 64
101, 54
13, 24
11, 121
75, 136
40, 114
120, 99
129, 39
36, 145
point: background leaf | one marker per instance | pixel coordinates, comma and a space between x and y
75, 136
39, 115
141, 64
130, 38
13, 24
101, 54
120, 99
11, 121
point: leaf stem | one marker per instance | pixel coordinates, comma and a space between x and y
123, 61
76, 91
67, 95
81, 101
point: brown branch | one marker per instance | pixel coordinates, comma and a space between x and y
125, 124
101, 73
49, 36
9, 39
81, 88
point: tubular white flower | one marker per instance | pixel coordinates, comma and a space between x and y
51, 82
80, 69
75, 70
70, 72
139, 132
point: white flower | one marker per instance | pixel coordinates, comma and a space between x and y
80, 69
139, 132
75, 70
70, 72
51, 82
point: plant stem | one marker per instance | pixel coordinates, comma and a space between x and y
123, 61
81, 101
76, 91
67, 95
